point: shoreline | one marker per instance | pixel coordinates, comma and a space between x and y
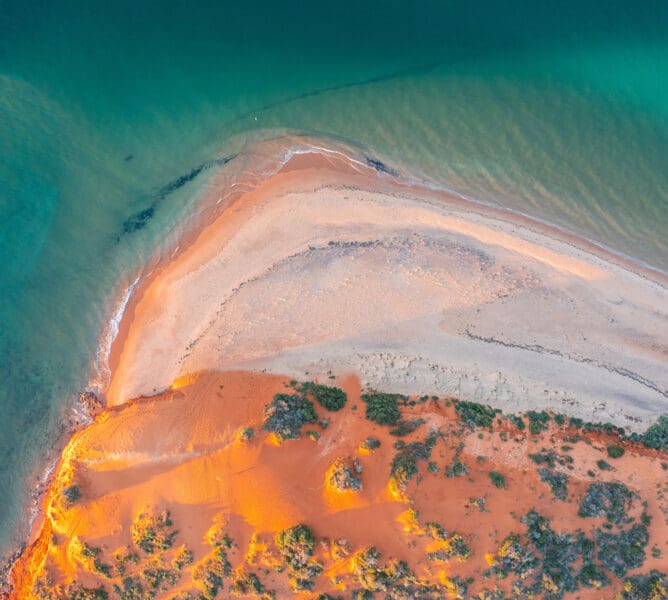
212, 209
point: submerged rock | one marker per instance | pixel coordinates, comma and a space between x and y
91, 402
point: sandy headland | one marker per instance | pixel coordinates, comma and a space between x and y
247, 447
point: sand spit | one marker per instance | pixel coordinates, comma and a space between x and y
331, 263
195, 464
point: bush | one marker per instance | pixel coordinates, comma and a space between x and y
518, 422
556, 481
212, 572
330, 398
537, 421
615, 451
246, 584
604, 466
245, 434
72, 494
475, 415
382, 408
404, 464
456, 546
656, 435
456, 469
406, 426
619, 552
342, 478
370, 444
610, 499
498, 479
652, 586
296, 545
286, 414
593, 576
374, 576
153, 533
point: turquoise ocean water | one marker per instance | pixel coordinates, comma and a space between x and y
107, 109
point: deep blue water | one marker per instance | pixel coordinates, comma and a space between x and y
107, 110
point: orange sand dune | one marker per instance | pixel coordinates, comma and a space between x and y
182, 452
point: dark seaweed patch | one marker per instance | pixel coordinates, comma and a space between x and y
140, 219
380, 166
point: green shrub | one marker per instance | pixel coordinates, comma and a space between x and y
436, 531
556, 481
183, 557
246, 434
72, 494
652, 586
619, 552
404, 464
406, 426
656, 435
456, 469
370, 444
593, 576
246, 584
296, 545
286, 414
375, 576
382, 408
153, 533
537, 421
212, 572
475, 415
610, 499
456, 547
615, 451
498, 479
518, 422
544, 458
604, 466
342, 477
330, 398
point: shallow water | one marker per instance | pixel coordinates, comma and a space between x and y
108, 110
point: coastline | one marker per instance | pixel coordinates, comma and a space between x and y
371, 176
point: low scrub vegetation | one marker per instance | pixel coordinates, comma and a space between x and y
475, 415
286, 414
329, 397
343, 478
153, 533
406, 426
612, 500
382, 408
556, 481
296, 545
498, 479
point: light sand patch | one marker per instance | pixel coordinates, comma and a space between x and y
326, 265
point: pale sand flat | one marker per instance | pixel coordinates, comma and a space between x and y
327, 266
